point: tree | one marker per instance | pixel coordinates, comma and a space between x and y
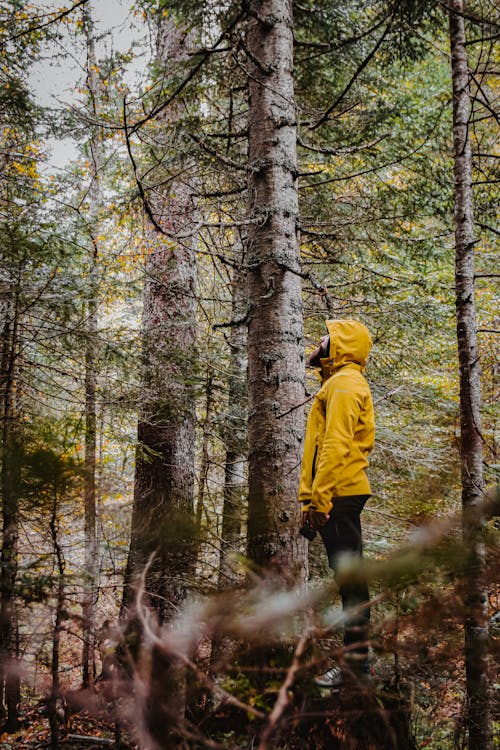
275, 328
18, 157
471, 439
162, 545
90, 489
235, 434
49, 480
164, 484
10, 478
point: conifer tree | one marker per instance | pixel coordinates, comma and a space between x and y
162, 521
275, 326
90, 489
471, 438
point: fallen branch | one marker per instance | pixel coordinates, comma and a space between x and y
388, 395
163, 646
88, 738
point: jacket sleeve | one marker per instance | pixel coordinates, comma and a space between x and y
342, 409
306, 478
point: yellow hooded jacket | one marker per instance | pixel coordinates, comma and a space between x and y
340, 428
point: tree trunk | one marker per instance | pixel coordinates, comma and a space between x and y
52, 708
235, 470
163, 523
205, 456
235, 481
55, 712
10, 478
476, 624
163, 544
90, 572
275, 329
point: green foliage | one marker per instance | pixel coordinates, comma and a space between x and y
376, 211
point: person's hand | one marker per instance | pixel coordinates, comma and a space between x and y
317, 519
304, 518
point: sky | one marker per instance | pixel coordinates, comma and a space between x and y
56, 77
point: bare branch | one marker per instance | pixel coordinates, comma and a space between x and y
213, 152
163, 645
339, 151
297, 406
194, 70
56, 18
140, 186
283, 698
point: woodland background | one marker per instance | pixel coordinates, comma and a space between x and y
132, 306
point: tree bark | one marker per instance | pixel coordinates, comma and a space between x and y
275, 329
90, 490
476, 624
10, 478
205, 456
52, 707
234, 507
163, 541
235, 481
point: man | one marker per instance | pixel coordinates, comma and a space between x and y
333, 484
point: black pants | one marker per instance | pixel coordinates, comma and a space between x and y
342, 536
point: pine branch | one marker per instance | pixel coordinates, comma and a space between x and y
340, 151
138, 181
326, 47
213, 152
189, 77
324, 117
488, 228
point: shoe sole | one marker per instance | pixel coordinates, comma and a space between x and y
328, 687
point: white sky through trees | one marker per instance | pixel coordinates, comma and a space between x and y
56, 77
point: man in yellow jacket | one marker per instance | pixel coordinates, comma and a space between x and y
334, 487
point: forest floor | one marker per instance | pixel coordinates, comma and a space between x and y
425, 710
79, 732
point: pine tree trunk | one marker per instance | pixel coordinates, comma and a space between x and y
205, 457
163, 541
476, 624
90, 572
235, 481
9, 480
235, 471
162, 519
54, 697
163, 512
275, 330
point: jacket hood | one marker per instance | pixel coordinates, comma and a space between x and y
350, 342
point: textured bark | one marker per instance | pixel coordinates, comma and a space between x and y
90, 490
163, 522
205, 456
235, 471
163, 541
52, 706
9, 485
275, 330
476, 624
235, 481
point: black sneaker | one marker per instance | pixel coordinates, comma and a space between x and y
332, 679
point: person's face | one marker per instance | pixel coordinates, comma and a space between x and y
320, 350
